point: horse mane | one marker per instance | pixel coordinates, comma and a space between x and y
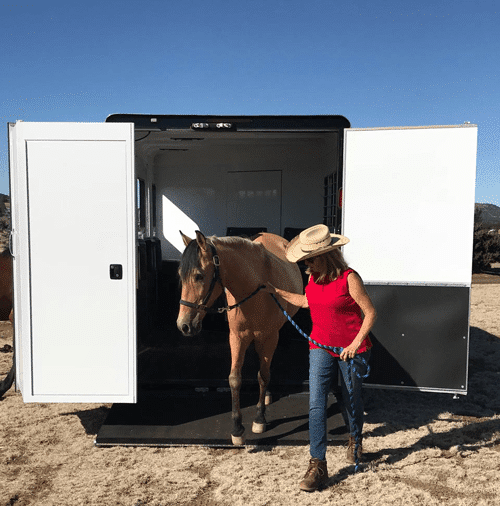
190, 259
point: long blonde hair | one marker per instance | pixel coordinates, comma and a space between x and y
333, 264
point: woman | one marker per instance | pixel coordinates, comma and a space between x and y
337, 300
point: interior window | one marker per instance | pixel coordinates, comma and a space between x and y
329, 201
141, 204
153, 206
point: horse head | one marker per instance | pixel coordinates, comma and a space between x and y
198, 273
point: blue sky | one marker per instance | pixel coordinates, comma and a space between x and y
379, 63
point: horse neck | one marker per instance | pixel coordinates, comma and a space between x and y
241, 266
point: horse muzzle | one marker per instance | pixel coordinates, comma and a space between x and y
189, 326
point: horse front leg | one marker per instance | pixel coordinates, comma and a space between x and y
259, 424
265, 349
238, 349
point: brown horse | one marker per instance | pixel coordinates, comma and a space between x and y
6, 308
5, 284
239, 266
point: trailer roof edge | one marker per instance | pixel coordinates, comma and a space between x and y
265, 122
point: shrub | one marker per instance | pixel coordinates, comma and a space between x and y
486, 245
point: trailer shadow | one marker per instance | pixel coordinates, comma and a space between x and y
91, 419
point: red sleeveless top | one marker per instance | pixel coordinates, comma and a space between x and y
336, 317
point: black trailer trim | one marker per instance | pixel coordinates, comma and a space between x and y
246, 123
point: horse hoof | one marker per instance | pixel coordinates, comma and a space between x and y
258, 428
268, 399
238, 440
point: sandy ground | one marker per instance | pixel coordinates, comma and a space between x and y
422, 449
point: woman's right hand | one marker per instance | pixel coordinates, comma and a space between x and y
295, 299
269, 288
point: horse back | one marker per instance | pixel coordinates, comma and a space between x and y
280, 272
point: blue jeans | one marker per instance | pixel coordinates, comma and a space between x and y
322, 369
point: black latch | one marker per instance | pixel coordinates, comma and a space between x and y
115, 271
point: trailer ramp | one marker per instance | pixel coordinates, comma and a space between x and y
169, 418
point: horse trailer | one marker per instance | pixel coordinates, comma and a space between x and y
96, 214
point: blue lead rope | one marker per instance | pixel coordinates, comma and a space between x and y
350, 388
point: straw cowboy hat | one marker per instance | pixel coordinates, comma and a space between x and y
313, 241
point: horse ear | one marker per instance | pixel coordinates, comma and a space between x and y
185, 239
202, 242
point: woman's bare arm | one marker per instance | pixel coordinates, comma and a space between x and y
296, 299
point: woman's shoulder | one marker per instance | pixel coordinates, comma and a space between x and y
351, 272
343, 277
348, 272
352, 278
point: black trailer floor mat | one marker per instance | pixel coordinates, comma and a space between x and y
164, 418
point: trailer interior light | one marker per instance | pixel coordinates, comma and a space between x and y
224, 125
200, 125
154, 120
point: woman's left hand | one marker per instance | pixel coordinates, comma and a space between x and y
349, 352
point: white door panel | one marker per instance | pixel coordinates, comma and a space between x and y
408, 203
74, 196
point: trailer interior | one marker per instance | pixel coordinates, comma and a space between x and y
223, 176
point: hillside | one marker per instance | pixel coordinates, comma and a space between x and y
490, 215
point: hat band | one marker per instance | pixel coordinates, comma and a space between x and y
317, 245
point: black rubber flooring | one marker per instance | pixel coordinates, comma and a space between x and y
167, 357
169, 418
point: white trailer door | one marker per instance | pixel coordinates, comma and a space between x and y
72, 190
409, 212
409, 203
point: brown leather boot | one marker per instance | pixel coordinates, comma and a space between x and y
350, 450
315, 477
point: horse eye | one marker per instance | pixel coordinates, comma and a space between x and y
198, 277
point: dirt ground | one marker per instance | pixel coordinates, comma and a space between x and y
421, 449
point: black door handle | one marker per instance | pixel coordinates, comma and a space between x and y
115, 271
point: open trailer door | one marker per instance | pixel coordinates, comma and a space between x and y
409, 212
73, 245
